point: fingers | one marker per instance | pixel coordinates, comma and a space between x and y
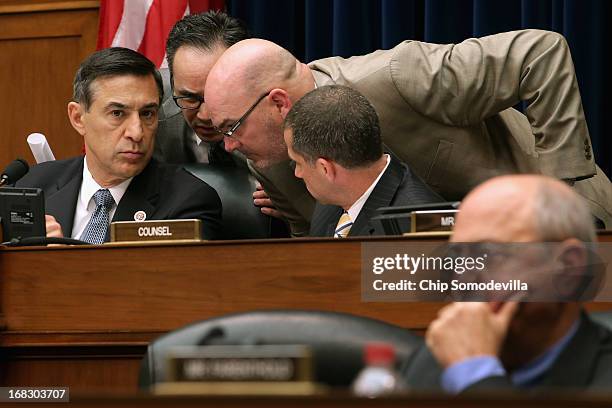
53, 228
263, 202
261, 199
260, 194
505, 313
272, 212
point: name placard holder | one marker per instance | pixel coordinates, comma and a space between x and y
432, 220
239, 370
157, 230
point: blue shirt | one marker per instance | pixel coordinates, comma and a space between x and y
461, 375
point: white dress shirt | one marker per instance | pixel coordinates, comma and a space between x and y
85, 205
355, 209
200, 149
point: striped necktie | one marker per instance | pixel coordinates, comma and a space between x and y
344, 226
95, 231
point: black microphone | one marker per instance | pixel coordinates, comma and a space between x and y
14, 171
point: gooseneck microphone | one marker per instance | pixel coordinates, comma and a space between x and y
14, 171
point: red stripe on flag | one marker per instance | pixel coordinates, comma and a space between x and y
160, 20
111, 12
199, 6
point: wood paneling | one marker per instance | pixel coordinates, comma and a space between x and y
41, 45
121, 288
335, 399
82, 316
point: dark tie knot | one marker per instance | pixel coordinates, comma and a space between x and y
217, 155
104, 198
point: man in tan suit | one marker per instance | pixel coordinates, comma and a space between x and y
446, 110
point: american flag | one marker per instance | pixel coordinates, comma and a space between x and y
143, 25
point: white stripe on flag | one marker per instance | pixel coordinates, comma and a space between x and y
132, 26
164, 63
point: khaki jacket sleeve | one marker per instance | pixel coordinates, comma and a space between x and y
464, 84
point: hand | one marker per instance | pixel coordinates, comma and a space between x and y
54, 229
261, 199
468, 329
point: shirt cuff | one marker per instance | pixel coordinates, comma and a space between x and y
461, 375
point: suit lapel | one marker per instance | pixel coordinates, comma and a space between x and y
332, 221
381, 196
62, 203
141, 195
578, 358
324, 220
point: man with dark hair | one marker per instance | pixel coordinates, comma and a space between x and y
117, 93
444, 109
193, 46
333, 136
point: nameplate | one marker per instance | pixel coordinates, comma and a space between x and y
163, 230
264, 363
432, 220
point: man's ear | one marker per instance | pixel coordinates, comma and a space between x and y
281, 100
573, 276
572, 253
75, 114
326, 167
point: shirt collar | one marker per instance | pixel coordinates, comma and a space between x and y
355, 209
90, 186
196, 138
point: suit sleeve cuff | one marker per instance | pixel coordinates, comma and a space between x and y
461, 375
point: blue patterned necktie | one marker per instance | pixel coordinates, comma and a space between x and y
95, 231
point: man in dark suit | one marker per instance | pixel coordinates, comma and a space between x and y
476, 346
185, 134
117, 94
333, 137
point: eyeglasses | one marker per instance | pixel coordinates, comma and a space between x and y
237, 124
191, 102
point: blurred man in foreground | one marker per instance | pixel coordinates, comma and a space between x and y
117, 93
484, 345
333, 137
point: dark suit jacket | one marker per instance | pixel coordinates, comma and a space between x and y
173, 141
586, 362
161, 191
174, 138
397, 186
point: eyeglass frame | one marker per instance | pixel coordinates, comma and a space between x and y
236, 125
199, 98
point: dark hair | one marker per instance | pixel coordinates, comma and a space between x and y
338, 123
204, 31
109, 62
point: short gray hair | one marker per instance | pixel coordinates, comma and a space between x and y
561, 215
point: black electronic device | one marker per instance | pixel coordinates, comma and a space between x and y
13, 172
22, 211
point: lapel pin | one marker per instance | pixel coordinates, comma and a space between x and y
140, 216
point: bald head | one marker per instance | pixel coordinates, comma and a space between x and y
251, 67
249, 91
523, 208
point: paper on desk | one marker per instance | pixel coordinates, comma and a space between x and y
40, 148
